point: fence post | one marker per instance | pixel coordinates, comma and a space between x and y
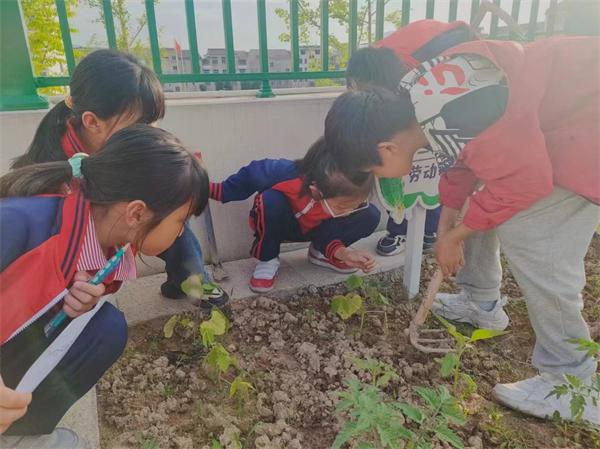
17, 85
265, 90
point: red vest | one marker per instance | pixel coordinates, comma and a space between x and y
31, 283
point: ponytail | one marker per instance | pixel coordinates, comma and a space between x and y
108, 83
37, 179
46, 145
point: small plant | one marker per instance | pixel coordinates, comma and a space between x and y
217, 325
147, 442
184, 323
381, 372
450, 364
355, 302
240, 389
581, 394
377, 423
195, 287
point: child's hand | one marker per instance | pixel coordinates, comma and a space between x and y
356, 259
13, 405
82, 296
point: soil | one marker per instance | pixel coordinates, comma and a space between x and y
297, 353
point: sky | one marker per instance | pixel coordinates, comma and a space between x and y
171, 21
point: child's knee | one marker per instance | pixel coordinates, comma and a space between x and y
274, 203
111, 332
372, 218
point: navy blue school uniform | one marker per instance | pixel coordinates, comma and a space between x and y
281, 212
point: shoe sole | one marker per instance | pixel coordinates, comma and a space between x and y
393, 253
260, 289
323, 264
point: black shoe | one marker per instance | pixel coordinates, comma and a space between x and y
218, 297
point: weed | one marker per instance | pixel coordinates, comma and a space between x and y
381, 372
377, 423
581, 393
463, 385
240, 389
147, 442
355, 302
502, 434
168, 390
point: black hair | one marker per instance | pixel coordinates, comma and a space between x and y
106, 82
139, 162
379, 67
318, 169
359, 121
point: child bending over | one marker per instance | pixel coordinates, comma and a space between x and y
308, 200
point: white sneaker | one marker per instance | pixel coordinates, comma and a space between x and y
530, 396
459, 307
61, 438
263, 279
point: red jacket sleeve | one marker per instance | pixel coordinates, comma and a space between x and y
456, 185
511, 160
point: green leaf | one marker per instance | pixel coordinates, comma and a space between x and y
573, 380
219, 358
485, 334
461, 340
354, 282
429, 396
216, 325
240, 387
577, 405
169, 326
365, 445
447, 364
468, 384
346, 306
192, 286
215, 444
590, 347
411, 412
450, 437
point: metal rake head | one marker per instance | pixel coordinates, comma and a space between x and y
431, 341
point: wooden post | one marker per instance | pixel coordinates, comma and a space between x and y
414, 249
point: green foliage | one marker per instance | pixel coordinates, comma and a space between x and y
147, 442
581, 394
347, 306
175, 322
217, 325
381, 372
45, 39
219, 359
309, 19
240, 388
195, 287
128, 30
354, 282
450, 364
375, 421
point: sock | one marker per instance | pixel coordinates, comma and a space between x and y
487, 306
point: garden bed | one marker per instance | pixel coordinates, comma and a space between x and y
296, 353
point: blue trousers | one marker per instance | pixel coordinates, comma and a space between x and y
278, 224
431, 223
184, 257
99, 346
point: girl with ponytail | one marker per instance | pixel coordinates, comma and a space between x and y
110, 90
139, 189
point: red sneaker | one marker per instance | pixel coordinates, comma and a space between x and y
263, 279
317, 258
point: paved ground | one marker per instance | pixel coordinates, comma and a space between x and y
141, 301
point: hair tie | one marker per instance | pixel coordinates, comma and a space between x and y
75, 163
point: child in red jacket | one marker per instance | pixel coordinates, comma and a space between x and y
308, 200
522, 123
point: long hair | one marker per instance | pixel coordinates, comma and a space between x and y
139, 162
106, 82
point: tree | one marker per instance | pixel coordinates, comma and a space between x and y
45, 40
309, 20
128, 31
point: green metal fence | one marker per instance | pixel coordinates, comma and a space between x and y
18, 85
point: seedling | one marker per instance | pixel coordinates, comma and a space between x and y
240, 389
195, 287
220, 360
355, 302
217, 325
381, 372
176, 322
376, 423
581, 394
450, 364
